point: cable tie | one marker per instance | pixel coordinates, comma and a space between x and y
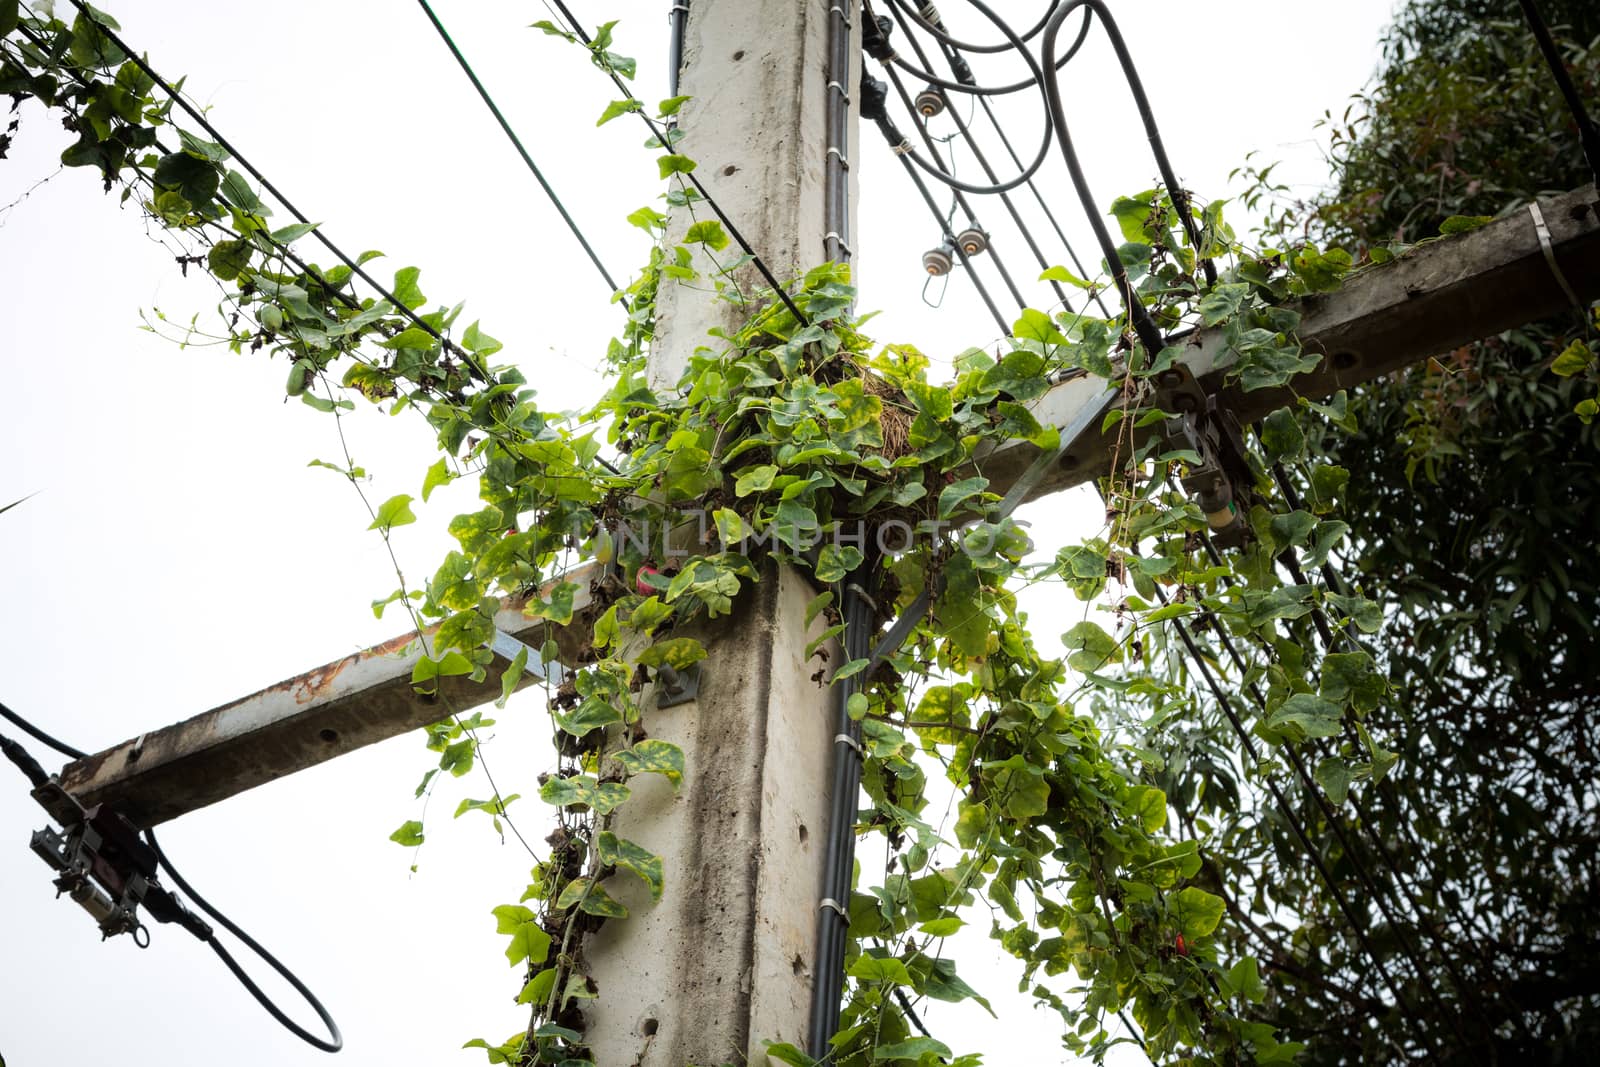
852, 742
834, 905
902, 149
1548, 247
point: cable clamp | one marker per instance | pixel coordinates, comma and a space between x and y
846, 739
842, 91
844, 16
835, 906
843, 162
833, 235
1548, 247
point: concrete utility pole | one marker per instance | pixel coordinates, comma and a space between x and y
725, 960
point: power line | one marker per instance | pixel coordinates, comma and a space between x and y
522, 151
665, 140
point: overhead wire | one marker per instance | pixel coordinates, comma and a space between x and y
960, 197
665, 140
469, 360
516, 142
1588, 129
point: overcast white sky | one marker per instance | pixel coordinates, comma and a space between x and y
179, 553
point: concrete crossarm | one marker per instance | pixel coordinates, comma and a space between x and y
1435, 298
304, 720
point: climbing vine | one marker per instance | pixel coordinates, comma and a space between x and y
1077, 781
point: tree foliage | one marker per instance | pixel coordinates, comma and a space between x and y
1478, 492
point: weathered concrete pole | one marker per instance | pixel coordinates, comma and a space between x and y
724, 961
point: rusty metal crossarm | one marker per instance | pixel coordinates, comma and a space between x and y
302, 721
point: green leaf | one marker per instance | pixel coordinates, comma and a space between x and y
537, 991
1091, 647
512, 676
787, 1053
406, 291
952, 496
675, 652
674, 164
1244, 978
1223, 302
754, 480
616, 851
707, 232
290, 234
528, 941
879, 969
1281, 437
1463, 223
1062, 274
835, 561
615, 108
671, 104
228, 258
1149, 805
915, 1048
409, 834
474, 340
591, 898
654, 757
396, 511
438, 474
1197, 912
1574, 359
1333, 774
1307, 715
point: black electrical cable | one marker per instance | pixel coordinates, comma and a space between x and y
1588, 130
522, 151
838, 870
1144, 325
959, 86
896, 142
39, 735
1287, 811
335, 1041
661, 137
677, 18
1180, 199
11, 750
1363, 875
1044, 206
1044, 142
960, 198
990, 49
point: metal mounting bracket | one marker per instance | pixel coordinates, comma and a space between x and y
674, 687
